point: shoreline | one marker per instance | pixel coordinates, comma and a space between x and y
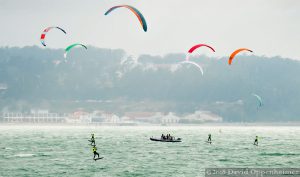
259, 124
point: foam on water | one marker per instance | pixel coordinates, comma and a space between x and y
23, 155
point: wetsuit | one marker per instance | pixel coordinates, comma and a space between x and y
256, 141
209, 138
93, 140
95, 152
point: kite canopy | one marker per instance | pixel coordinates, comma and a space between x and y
200, 45
43, 35
195, 64
72, 46
235, 53
259, 99
135, 11
196, 47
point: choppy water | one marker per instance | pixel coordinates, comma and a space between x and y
127, 151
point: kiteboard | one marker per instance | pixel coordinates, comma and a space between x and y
98, 158
208, 142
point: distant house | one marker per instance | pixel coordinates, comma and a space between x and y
79, 117
96, 117
35, 116
112, 118
170, 119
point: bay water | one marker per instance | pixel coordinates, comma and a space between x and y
39, 150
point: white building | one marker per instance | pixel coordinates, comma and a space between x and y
170, 119
110, 118
34, 117
79, 117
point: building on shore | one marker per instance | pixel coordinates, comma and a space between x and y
96, 117
78, 117
170, 118
106, 118
35, 116
110, 118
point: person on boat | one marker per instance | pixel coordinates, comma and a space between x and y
95, 151
256, 141
93, 140
209, 138
162, 136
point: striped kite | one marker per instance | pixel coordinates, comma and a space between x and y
133, 10
43, 35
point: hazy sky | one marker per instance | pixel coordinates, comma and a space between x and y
269, 27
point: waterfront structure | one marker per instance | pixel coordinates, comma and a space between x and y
35, 116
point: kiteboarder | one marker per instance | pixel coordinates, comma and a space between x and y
256, 141
209, 138
93, 140
95, 151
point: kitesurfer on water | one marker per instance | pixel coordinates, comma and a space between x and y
256, 141
209, 138
93, 140
95, 151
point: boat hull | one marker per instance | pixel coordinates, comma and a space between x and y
169, 141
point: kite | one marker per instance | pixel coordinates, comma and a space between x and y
133, 10
43, 35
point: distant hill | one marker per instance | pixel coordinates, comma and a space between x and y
32, 77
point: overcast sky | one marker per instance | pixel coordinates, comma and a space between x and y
268, 27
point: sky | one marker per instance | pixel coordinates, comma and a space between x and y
269, 28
